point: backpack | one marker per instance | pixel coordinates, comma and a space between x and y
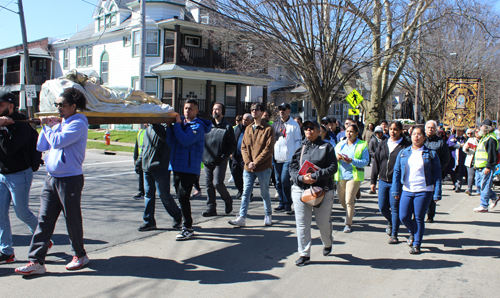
35, 155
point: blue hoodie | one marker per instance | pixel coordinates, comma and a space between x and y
67, 142
187, 142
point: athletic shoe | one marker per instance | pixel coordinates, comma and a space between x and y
480, 209
209, 212
303, 261
388, 230
468, 192
185, 234
494, 203
139, 196
327, 250
347, 229
289, 212
145, 227
239, 221
196, 193
31, 268
279, 209
5, 259
429, 220
268, 221
415, 250
372, 192
77, 263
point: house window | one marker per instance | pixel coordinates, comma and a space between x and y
168, 90
84, 56
137, 43
113, 20
105, 68
279, 73
313, 112
294, 107
127, 41
346, 110
65, 58
152, 42
192, 41
151, 85
337, 109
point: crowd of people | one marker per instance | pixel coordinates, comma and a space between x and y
311, 162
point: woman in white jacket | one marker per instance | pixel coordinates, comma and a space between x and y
469, 149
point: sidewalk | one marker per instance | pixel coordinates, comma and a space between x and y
460, 259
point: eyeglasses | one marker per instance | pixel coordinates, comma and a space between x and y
309, 127
324, 122
254, 110
59, 104
281, 108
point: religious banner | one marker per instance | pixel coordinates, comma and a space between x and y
462, 97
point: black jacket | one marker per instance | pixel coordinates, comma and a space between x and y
15, 139
441, 148
373, 144
383, 162
240, 129
219, 143
319, 153
155, 152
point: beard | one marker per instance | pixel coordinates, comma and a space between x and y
481, 133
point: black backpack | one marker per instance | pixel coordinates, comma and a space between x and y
35, 156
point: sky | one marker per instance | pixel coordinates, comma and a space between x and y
51, 18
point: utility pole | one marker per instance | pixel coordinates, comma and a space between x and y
142, 81
417, 83
27, 69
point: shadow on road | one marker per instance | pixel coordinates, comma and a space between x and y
59, 239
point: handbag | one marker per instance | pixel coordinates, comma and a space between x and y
315, 194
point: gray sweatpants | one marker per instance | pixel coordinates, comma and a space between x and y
59, 194
303, 218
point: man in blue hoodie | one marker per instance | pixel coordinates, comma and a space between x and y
186, 139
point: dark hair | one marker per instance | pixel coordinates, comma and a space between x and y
258, 105
354, 126
383, 120
398, 124
420, 128
223, 107
298, 117
74, 96
334, 120
238, 117
350, 119
192, 101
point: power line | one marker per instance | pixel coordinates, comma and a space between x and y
4, 7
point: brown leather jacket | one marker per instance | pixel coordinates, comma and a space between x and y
258, 146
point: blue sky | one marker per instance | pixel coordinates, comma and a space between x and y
50, 18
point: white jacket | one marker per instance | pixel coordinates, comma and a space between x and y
470, 152
285, 147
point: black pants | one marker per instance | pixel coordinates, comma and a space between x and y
215, 181
432, 210
183, 183
141, 182
59, 194
237, 172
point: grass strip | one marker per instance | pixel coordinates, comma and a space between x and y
98, 145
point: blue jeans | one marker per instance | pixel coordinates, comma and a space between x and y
283, 184
248, 180
485, 182
158, 180
388, 206
415, 203
15, 188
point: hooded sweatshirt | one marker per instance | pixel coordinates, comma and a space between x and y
14, 146
187, 143
67, 142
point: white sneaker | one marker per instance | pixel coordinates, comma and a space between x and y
185, 234
480, 209
494, 203
31, 268
347, 229
268, 220
239, 221
77, 263
230, 179
276, 195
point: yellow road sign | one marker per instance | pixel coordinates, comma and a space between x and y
353, 112
354, 98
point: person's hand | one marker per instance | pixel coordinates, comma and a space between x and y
251, 165
50, 120
178, 119
396, 197
4, 120
372, 187
486, 171
339, 157
466, 146
348, 160
307, 179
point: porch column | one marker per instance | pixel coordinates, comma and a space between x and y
175, 94
177, 47
4, 72
238, 98
208, 92
264, 96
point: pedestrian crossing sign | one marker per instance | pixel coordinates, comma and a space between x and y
353, 112
354, 98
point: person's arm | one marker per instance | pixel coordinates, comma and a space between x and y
13, 140
491, 148
444, 155
396, 179
330, 170
297, 136
375, 166
295, 167
63, 136
436, 177
361, 163
268, 148
192, 134
42, 144
230, 142
245, 153
160, 131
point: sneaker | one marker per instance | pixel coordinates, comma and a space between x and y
494, 203
289, 212
393, 240
468, 192
31, 268
388, 229
239, 221
77, 263
372, 192
268, 220
185, 234
480, 209
209, 212
327, 250
145, 227
415, 250
303, 261
347, 229
196, 193
279, 209
429, 220
276, 195
139, 196
5, 259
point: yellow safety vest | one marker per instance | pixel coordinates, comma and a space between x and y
481, 155
357, 173
140, 139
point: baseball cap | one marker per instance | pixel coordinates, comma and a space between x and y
285, 105
313, 122
326, 119
7, 97
487, 122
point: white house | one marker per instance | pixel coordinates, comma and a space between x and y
180, 62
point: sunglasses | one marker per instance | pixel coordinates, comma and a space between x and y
309, 127
254, 110
281, 109
60, 104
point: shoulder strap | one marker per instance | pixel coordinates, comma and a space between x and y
302, 154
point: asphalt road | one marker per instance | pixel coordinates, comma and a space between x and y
460, 250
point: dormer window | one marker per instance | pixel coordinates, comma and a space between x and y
106, 19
